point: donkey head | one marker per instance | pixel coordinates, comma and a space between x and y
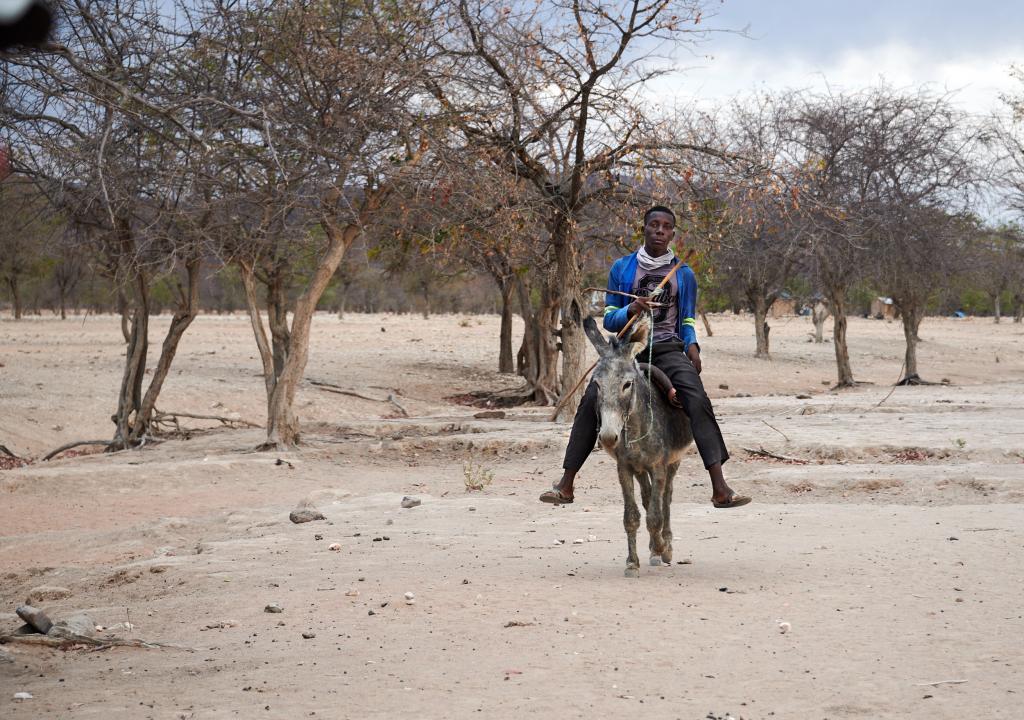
617, 377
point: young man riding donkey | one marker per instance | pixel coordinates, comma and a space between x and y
674, 351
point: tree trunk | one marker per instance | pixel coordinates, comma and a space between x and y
545, 377
568, 296
262, 343
122, 309
282, 423
761, 328
12, 283
538, 355
837, 298
130, 399
277, 317
188, 309
505, 335
997, 306
911, 323
526, 357
343, 299
1018, 308
819, 315
707, 323
63, 293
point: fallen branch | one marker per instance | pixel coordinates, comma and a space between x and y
941, 682
776, 429
169, 418
329, 387
77, 443
5, 451
761, 452
69, 640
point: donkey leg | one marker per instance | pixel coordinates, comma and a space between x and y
666, 525
644, 479
655, 515
630, 520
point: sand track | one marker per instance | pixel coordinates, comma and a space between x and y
894, 553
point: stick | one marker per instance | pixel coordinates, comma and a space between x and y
560, 403
613, 292
761, 452
330, 387
160, 415
624, 294
75, 639
5, 451
776, 429
75, 444
902, 365
941, 682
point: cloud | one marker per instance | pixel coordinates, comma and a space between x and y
976, 79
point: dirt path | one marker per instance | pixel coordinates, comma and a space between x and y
894, 553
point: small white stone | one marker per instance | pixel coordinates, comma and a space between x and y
22, 696
410, 596
577, 541
591, 538
785, 627
558, 542
352, 593
334, 547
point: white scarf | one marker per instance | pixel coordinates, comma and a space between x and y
648, 263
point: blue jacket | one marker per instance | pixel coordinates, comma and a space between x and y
620, 279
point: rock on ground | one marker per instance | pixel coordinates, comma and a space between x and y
35, 617
77, 624
305, 515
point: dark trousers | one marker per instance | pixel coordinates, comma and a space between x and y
670, 358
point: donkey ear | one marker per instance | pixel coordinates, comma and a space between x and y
596, 338
638, 339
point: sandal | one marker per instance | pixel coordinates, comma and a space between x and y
555, 497
733, 501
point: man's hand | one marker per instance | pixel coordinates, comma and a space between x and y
693, 353
641, 304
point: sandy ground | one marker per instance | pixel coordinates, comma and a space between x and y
894, 553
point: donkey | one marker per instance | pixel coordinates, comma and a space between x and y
643, 432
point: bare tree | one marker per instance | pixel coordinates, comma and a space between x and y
27, 225
921, 248
94, 123
997, 264
759, 233
920, 151
548, 93
320, 117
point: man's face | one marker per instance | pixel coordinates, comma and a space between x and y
658, 233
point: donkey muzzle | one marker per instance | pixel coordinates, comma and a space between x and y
608, 439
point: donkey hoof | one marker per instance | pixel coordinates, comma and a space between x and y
656, 561
666, 557
632, 572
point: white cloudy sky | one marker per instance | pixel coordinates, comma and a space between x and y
965, 47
